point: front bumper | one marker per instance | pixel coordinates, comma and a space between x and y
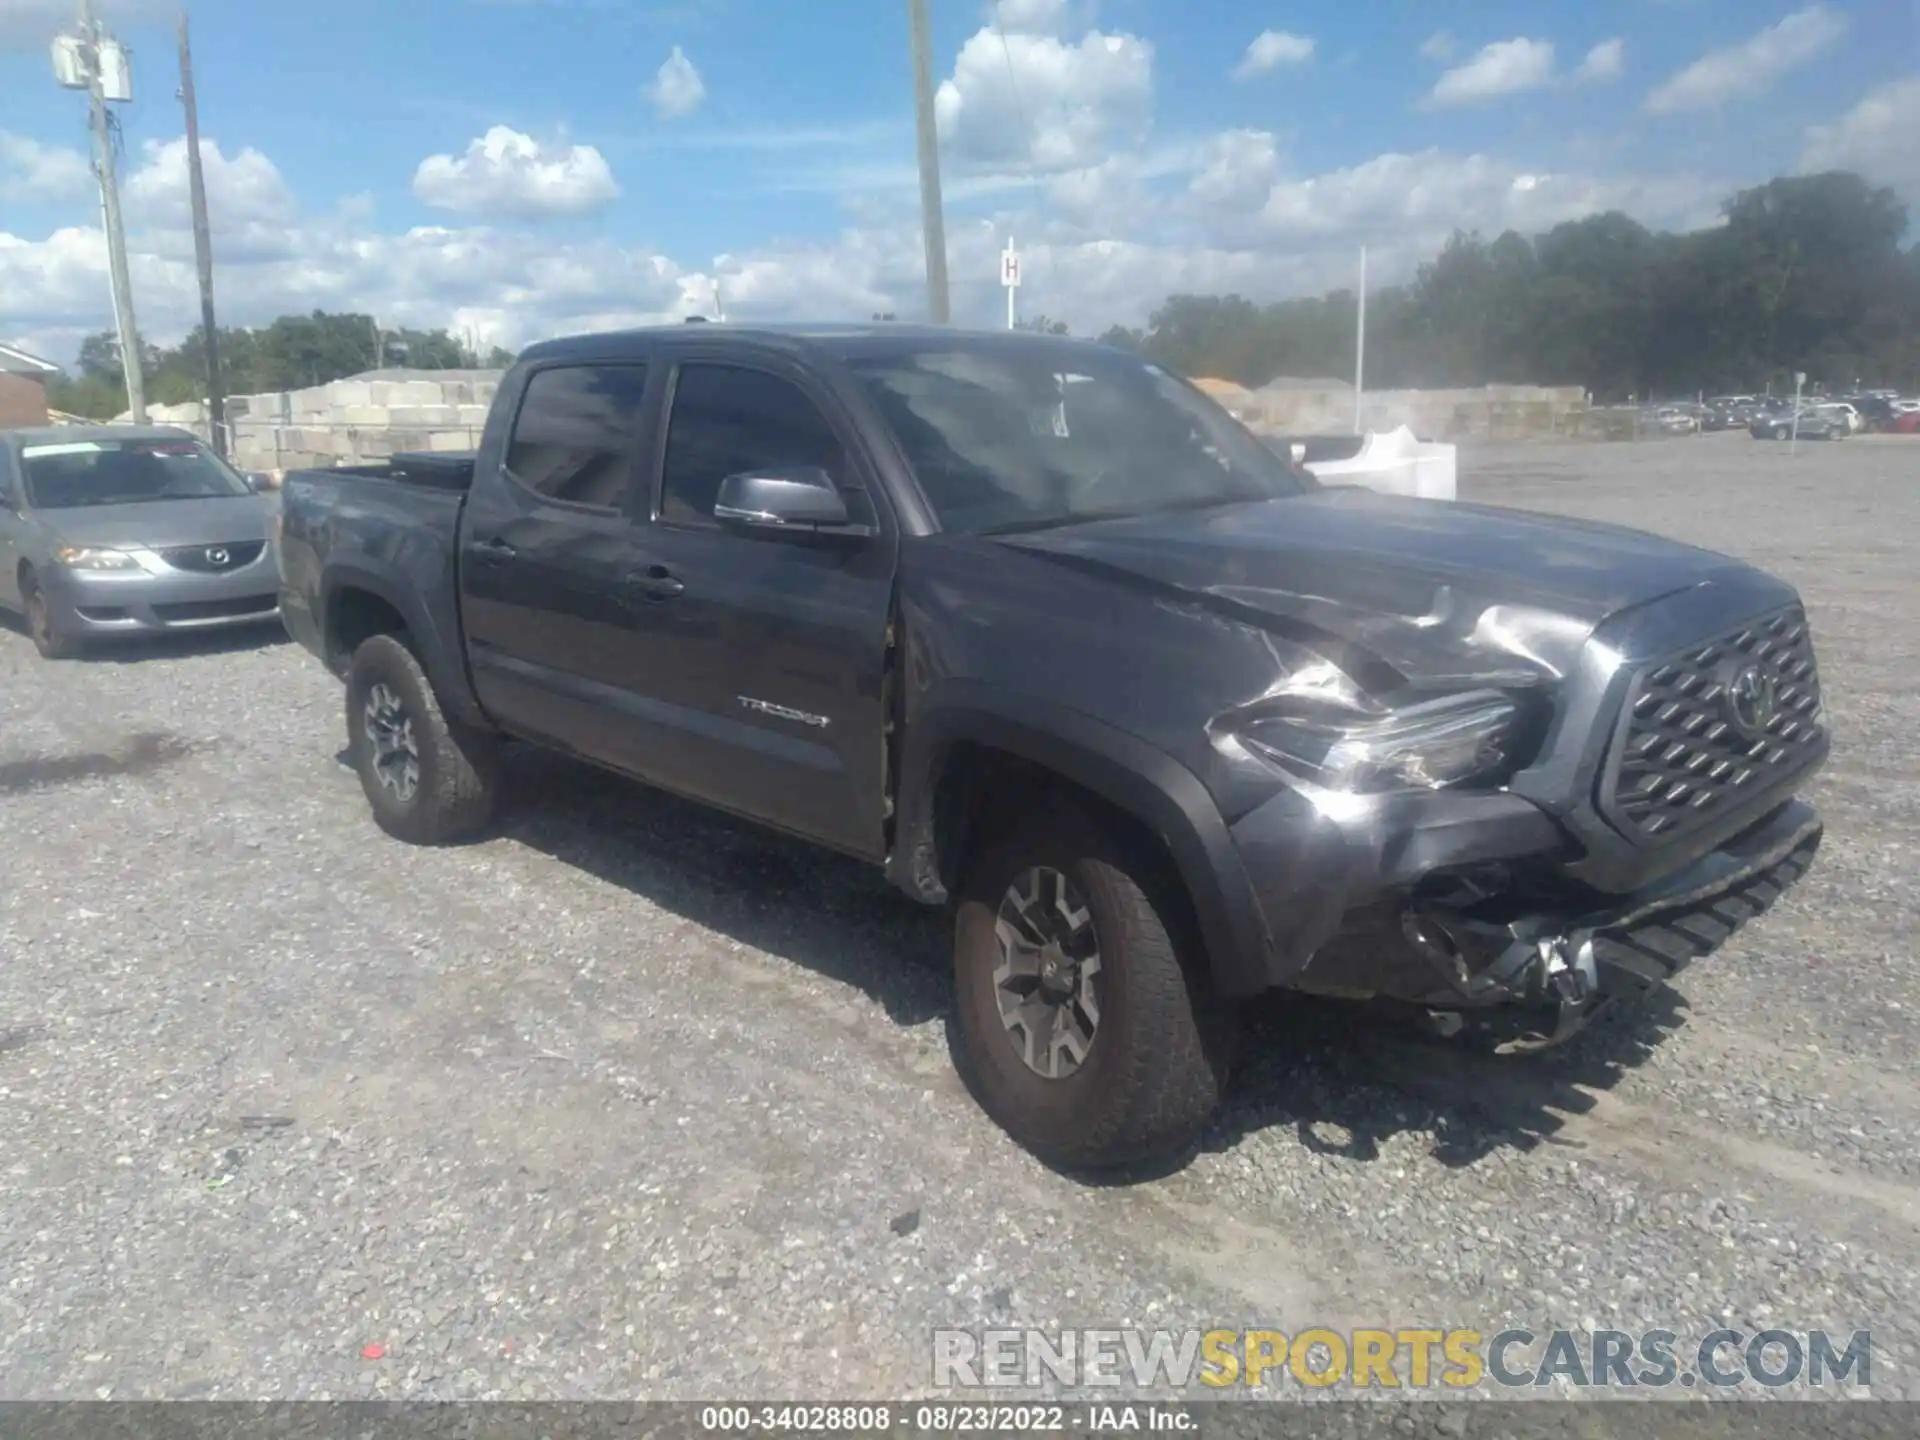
1564, 945
142, 602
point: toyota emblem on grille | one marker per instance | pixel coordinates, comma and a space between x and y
1751, 700
217, 555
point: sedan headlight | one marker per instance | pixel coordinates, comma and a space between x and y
1420, 747
86, 557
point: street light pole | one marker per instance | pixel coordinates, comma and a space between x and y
110, 215
932, 221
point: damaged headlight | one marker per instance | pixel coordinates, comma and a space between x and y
1424, 746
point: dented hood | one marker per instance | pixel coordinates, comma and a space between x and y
1430, 586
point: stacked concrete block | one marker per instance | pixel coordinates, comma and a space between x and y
362, 418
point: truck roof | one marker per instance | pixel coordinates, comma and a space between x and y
873, 337
81, 434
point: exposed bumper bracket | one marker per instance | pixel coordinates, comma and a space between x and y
1567, 960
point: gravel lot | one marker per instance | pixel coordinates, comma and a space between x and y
630, 1100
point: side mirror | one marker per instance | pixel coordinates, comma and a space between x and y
802, 498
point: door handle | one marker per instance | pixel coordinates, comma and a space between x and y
492, 552
656, 582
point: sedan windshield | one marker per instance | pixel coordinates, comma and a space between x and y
1018, 438
78, 473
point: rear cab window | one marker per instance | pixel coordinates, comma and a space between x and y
576, 438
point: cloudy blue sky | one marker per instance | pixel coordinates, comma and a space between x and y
515, 168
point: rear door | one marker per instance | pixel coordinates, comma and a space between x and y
766, 659
546, 549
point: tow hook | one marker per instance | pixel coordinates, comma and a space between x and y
1566, 968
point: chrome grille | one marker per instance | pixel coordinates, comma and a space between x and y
1691, 746
214, 559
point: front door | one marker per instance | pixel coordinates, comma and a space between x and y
766, 660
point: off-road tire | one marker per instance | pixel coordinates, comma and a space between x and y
458, 769
52, 642
1158, 1063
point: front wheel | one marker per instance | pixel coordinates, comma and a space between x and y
49, 639
1086, 1023
428, 779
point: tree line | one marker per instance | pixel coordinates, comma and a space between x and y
1805, 273
292, 353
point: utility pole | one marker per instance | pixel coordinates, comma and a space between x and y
110, 213
1360, 347
933, 225
202, 250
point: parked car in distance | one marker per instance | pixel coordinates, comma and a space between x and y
121, 530
1875, 412
1672, 420
1039, 631
1816, 422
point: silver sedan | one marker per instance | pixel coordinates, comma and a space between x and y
115, 529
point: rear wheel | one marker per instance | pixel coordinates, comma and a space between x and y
1087, 1027
428, 779
49, 639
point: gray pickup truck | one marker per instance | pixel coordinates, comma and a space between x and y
1039, 630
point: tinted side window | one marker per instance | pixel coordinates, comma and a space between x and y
728, 420
576, 435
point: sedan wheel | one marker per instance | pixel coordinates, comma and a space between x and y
48, 639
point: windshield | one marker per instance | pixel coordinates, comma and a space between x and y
1024, 438
73, 474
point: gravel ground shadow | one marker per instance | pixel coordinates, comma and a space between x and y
827, 912
1344, 1076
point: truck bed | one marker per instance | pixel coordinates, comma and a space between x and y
368, 524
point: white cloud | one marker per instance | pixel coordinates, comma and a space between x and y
244, 190
1505, 67
677, 89
1029, 17
1024, 99
1605, 61
1416, 200
1270, 50
1877, 138
1752, 66
31, 171
1237, 170
505, 173
1439, 47
1104, 242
